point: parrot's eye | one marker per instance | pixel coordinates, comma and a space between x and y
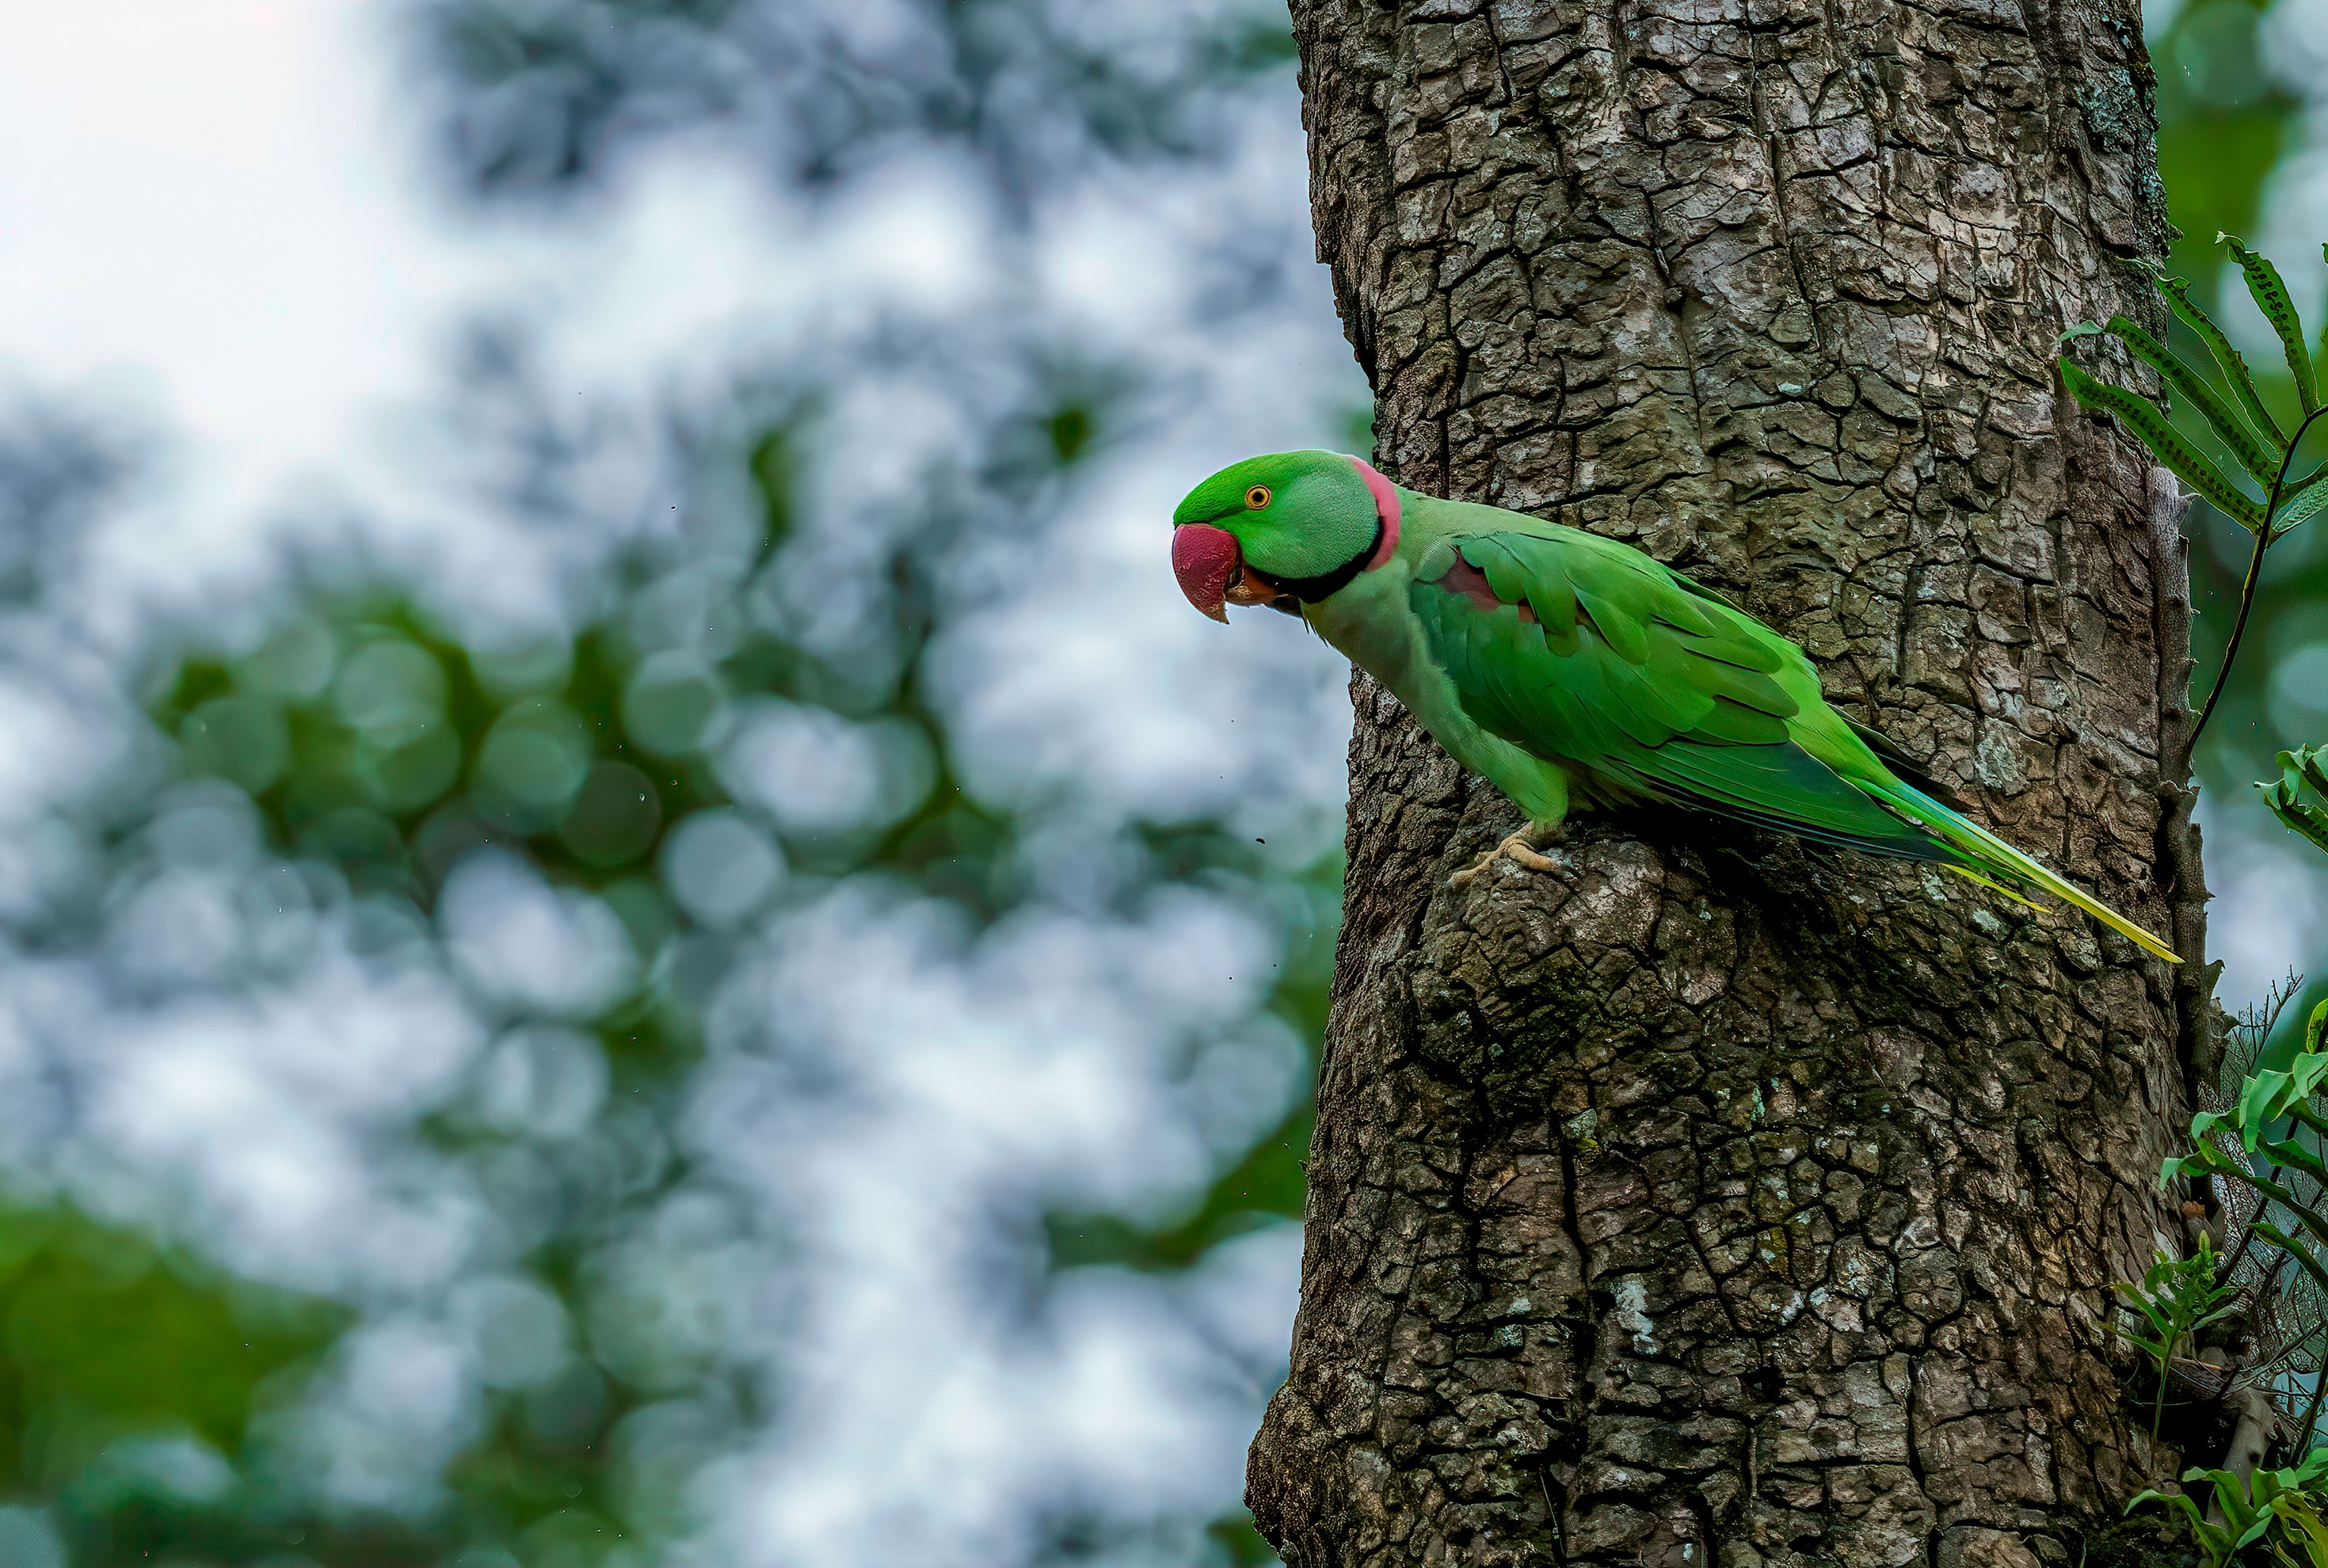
1257, 497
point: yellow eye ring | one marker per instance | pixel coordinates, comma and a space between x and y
1257, 497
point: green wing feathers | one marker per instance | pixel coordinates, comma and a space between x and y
1571, 650
1651, 687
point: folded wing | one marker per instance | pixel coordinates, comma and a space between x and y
1591, 655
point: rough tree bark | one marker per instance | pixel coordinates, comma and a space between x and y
1711, 1200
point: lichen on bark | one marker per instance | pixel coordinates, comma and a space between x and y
1709, 1199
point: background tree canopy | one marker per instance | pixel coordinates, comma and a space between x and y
691, 959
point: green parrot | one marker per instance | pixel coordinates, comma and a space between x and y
1573, 669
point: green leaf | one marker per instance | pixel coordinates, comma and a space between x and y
2301, 1517
2166, 444
2178, 1296
2154, 1495
2305, 1073
2271, 297
2309, 456
2290, 1155
2302, 508
2295, 1249
2186, 384
2237, 1507
2254, 1110
2177, 291
2284, 794
2214, 1541
2204, 1161
2308, 1217
2295, 1087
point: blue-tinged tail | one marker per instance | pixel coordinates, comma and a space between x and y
1988, 857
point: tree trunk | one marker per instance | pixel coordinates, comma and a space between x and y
1711, 1200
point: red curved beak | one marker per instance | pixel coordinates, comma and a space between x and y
1206, 559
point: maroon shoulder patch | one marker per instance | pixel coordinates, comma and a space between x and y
1470, 581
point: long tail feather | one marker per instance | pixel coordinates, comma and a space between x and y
1992, 857
1993, 885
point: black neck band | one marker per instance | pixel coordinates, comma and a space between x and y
1309, 590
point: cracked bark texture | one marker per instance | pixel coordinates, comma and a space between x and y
1714, 1200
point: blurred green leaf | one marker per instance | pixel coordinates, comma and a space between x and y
109, 1338
2271, 297
2302, 510
2182, 381
2165, 443
1240, 1542
1071, 431
2284, 794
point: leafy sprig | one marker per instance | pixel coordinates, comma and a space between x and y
2284, 794
2301, 1522
2274, 1116
2265, 451
2249, 1508
2176, 1299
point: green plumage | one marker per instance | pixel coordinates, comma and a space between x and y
1644, 685
1569, 668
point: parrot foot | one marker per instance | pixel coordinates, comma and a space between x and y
1517, 849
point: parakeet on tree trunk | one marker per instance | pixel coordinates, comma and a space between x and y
1573, 669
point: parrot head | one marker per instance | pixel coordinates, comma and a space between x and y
1281, 530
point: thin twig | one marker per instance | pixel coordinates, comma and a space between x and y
2312, 1412
2254, 575
2247, 1234
2289, 1345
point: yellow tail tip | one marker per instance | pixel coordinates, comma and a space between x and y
2143, 939
2093, 907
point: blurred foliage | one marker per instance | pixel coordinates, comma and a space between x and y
2284, 794
54, 472
1269, 1181
2224, 124
126, 1370
379, 749
149, 1409
537, 98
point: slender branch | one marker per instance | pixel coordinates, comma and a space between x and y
2320, 1376
2303, 1444
2238, 628
2254, 575
2247, 1234
2184, 877
2286, 1348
